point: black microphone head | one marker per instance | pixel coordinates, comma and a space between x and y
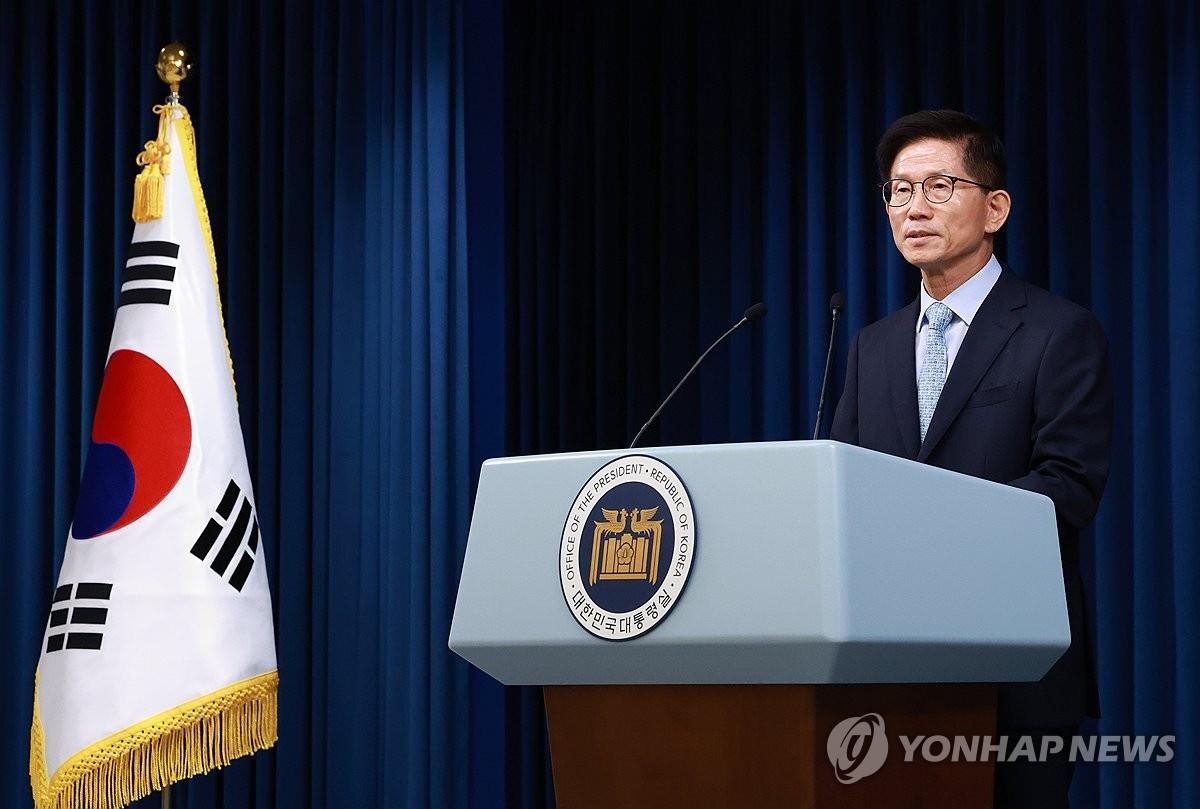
755, 312
836, 302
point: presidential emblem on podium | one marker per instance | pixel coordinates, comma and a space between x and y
627, 547
628, 542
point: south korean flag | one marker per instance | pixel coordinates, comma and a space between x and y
158, 660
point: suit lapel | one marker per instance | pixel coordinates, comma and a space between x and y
991, 329
902, 360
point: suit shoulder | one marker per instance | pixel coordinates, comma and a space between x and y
1057, 313
901, 321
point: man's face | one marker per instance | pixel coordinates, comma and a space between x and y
949, 237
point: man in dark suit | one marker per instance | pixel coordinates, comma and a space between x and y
990, 376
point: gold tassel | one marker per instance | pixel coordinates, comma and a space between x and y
149, 187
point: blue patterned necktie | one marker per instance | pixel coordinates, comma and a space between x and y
934, 362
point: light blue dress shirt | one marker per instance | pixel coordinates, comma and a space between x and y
964, 302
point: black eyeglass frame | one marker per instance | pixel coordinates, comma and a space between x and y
954, 181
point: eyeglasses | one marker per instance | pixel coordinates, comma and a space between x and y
937, 188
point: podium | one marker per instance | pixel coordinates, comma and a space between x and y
835, 596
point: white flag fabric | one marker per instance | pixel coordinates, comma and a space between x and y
158, 660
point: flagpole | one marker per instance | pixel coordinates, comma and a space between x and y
172, 68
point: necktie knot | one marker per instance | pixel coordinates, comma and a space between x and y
939, 315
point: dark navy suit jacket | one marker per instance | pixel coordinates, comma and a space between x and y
1027, 402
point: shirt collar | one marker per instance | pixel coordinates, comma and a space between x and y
966, 300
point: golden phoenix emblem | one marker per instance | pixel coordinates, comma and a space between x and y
626, 546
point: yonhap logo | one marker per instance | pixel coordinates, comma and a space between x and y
857, 747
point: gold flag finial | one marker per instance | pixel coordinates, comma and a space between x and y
174, 63
149, 187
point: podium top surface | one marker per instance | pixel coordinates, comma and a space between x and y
811, 562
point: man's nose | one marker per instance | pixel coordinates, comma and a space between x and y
918, 206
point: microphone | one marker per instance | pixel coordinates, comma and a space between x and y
835, 308
755, 312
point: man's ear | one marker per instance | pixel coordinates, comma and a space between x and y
999, 203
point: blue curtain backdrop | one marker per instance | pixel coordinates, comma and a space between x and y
672, 163
431, 253
333, 152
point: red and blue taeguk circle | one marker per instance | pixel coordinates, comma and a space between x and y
141, 438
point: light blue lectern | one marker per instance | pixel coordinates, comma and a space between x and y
815, 563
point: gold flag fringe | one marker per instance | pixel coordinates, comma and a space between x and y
38, 778
149, 187
187, 138
194, 738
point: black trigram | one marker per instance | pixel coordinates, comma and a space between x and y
244, 530
77, 622
149, 273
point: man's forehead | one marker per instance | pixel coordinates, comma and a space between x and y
928, 155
